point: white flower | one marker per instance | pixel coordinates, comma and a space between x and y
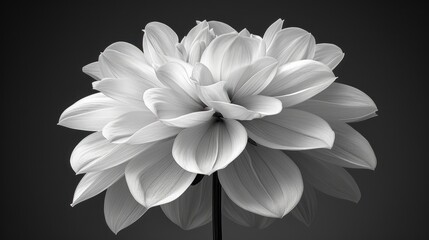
188, 108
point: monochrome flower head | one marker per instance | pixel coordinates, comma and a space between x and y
262, 112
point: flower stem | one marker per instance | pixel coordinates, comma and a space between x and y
216, 208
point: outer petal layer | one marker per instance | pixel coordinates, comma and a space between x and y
292, 130
155, 178
263, 181
120, 208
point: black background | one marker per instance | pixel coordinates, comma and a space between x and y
46, 45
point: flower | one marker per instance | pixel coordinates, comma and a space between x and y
262, 112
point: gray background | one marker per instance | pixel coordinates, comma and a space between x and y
45, 46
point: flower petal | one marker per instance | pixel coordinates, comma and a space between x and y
327, 178
220, 28
122, 128
94, 183
120, 208
155, 178
340, 102
193, 208
125, 90
240, 53
195, 34
350, 149
95, 153
127, 62
329, 54
263, 181
202, 75
254, 79
272, 30
210, 146
214, 92
292, 44
153, 132
298, 81
243, 217
93, 112
159, 41
248, 108
196, 52
306, 209
213, 55
291, 130
93, 70
174, 76
175, 109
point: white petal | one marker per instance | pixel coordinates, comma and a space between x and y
159, 41
271, 31
117, 64
327, 178
122, 128
254, 78
298, 81
194, 33
193, 208
340, 102
153, 132
202, 75
248, 108
214, 92
128, 49
292, 130
174, 76
242, 52
93, 70
350, 149
95, 153
175, 109
196, 52
306, 209
155, 178
93, 112
95, 182
220, 28
209, 147
263, 181
243, 217
329, 54
244, 33
120, 208
292, 44
213, 55
125, 90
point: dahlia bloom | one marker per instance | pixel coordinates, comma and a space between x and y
263, 113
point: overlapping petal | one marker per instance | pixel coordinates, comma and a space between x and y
175, 109
329, 54
210, 146
271, 32
350, 149
263, 181
242, 217
93, 112
94, 183
193, 208
155, 178
327, 178
95, 153
292, 44
220, 28
340, 102
292, 130
159, 41
298, 81
120, 207
306, 209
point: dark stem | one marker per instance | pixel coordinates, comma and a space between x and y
216, 208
